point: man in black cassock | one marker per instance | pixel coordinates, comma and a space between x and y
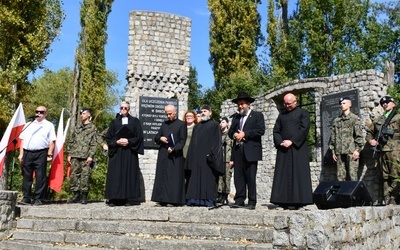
291, 187
169, 183
125, 141
204, 161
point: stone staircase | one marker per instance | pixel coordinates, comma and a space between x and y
146, 226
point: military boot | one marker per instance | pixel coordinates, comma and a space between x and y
219, 198
76, 198
84, 198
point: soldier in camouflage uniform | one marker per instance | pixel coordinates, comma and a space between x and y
224, 182
388, 154
346, 142
81, 150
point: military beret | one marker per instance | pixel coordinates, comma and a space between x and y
386, 99
344, 98
84, 109
224, 119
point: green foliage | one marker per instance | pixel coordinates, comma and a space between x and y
195, 94
28, 28
324, 38
235, 35
90, 88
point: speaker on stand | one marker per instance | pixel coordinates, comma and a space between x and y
341, 194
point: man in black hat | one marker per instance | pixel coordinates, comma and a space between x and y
247, 128
346, 142
388, 150
80, 154
204, 161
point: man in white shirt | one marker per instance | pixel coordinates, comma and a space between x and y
37, 145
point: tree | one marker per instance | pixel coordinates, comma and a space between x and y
235, 35
195, 94
325, 38
89, 86
27, 29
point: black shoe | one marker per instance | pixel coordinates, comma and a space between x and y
25, 201
251, 207
237, 205
37, 202
224, 202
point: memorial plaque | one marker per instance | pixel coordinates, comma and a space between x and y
330, 109
152, 115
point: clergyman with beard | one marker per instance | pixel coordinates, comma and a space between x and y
205, 144
247, 128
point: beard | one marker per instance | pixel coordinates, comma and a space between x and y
243, 111
205, 118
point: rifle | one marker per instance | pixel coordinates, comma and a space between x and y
384, 132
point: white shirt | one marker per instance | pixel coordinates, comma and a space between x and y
38, 135
245, 118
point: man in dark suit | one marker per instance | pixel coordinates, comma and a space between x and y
247, 128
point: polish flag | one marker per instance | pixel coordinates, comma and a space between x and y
13, 130
56, 177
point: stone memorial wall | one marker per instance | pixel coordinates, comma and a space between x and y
371, 85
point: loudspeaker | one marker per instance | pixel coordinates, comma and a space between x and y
335, 194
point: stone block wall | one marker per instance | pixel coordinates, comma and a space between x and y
371, 85
8, 200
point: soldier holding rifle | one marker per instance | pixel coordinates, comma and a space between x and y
384, 136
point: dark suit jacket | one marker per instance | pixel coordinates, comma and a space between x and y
253, 128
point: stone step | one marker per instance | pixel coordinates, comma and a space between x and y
146, 226
149, 228
27, 239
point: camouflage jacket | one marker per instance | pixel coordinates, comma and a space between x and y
346, 135
393, 135
82, 144
226, 147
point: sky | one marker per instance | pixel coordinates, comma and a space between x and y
63, 49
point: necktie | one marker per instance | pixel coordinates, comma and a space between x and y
241, 122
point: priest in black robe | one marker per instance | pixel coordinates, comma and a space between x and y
125, 142
169, 183
204, 161
291, 186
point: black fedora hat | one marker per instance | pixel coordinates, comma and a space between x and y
243, 96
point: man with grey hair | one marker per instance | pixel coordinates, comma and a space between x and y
169, 183
204, 161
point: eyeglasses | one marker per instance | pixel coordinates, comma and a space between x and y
123, 108
189, 116
40, 111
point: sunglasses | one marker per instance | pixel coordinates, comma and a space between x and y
123, 108
40, 111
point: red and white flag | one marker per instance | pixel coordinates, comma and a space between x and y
56, 177
13, 130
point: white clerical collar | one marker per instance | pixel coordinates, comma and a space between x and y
124, 120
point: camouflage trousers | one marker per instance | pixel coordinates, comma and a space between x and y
224, 182
347, 168
80, 175
390, 171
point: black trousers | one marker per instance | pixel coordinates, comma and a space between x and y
244, 177
34, 161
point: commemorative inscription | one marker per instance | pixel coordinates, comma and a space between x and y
330, 109
152, 115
